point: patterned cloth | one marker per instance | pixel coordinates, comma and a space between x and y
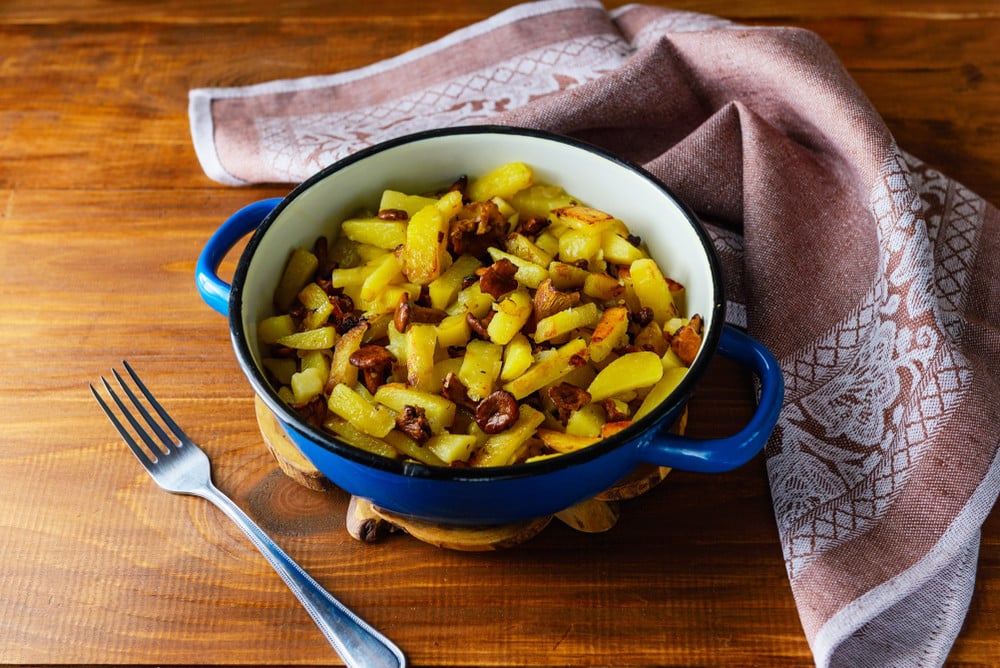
872, 277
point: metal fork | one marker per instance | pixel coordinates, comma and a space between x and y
179, 466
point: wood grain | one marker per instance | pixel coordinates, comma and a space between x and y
103, 211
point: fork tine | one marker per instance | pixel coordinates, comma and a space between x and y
122, 431
169, 421
155, 450
166, 443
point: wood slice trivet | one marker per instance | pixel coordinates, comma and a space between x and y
290, 459
368, 523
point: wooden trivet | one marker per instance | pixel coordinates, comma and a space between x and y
369, 523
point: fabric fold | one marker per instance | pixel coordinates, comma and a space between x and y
873, 277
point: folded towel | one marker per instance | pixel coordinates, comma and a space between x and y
872, 277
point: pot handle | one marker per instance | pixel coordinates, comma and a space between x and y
213, 290
715, 455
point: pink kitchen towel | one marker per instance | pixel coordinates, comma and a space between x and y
873, 278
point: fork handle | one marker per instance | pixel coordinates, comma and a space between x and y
357, 643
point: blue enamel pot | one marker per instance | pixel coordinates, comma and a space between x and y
429, 160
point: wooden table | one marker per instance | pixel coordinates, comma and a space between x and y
103, 210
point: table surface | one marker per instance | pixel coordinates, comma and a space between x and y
103, 210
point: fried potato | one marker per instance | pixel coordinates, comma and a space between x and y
422, 256
510, 314
549, 370
566, 322
440, 411
362, 414
481, 368
609, 333
443, 289
375, 232
652, 289
503, 449
504, 181
299, 270
629, 372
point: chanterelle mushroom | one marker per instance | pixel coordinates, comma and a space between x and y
548, 300
374, 362
477, 226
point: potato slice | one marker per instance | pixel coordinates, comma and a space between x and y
670, 360
306, 385
548, 242
276, 327
315, 318
443, 289
375, 232
341, 369
351, 277
449, 205
394, 199
502, 449
481, 368
312, 296
517, 357
579, 246
652, 289
452, 447
609, 333
556, 365
579, 217
566, 322
567, 276
618, 249
629, 372
471, 300
661, 390
453, 330
388, 298
540, 199
602, 287
611, 428
560, 441
358, 438
587, 421
317, 359
526, 249
421, 343
281, 368
397, 343
322, 338
408, 447
504, 181
651, 338
298, 271
422, 256
440, 411
385, 271
362, 414
511, 313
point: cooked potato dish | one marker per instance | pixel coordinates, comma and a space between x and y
496, 322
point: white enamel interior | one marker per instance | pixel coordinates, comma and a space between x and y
436, 162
